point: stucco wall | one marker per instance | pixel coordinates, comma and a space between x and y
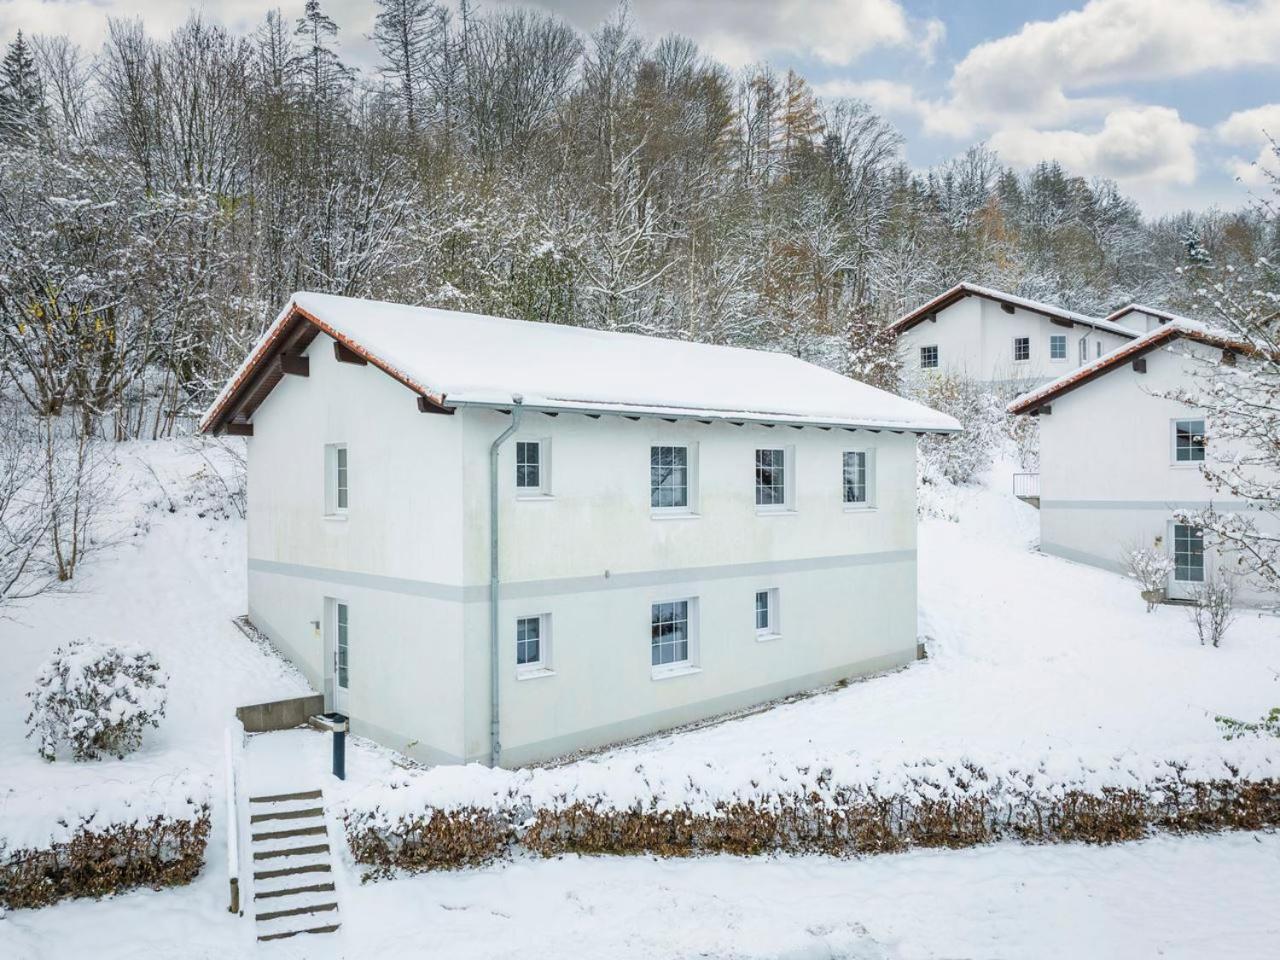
395, 559
1108, 480
975, 339
594, 557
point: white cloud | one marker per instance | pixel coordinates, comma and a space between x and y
1142, 144
741, 32
1255, 128
1034, 71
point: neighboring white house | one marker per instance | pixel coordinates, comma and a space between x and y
1118, 458
1000, 339
683, 529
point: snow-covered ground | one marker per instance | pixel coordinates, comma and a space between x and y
1030, 657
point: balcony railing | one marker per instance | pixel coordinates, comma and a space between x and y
1026, 486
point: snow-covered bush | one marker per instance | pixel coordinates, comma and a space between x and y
96, 697
1151, 568
961, 457
1025, 433
935, 494
1213, 608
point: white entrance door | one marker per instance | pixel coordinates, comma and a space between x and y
1188, 561
337, 650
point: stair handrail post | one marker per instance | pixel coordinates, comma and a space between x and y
234, 745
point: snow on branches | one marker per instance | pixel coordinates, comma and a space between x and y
96, 697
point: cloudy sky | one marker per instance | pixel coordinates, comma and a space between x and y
1169, 97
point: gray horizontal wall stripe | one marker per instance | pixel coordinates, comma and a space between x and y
478, 593
1080, 556
1147, 505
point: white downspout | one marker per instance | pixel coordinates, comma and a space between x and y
495, 745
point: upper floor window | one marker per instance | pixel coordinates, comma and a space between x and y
773, 480
533, 469
1021, 348
335, 479
1188, 441
1057, 346
928, 357
669, 478
858, 478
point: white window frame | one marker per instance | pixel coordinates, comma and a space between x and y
1173, 443
542, 666
772, 630
937, 356
788, 504
1059, 338
333, 494
690, 507
869, 465
677, 668
543, 489
1016, 341
1173, 553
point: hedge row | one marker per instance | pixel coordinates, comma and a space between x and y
157, 852
839, 822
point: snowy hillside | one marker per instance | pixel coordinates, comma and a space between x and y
1030, 657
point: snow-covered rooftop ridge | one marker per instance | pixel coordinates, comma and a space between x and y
465, 359
1035, 306
1171, 330
1160, 312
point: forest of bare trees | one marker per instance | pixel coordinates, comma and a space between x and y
163, 196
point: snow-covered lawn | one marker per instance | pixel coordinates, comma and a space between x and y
1031, 658
1191, 897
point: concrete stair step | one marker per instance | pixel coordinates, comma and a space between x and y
293, 867
287, 887
287, 932
268, 814
288, 843
297, 907
281, 797
290, 852
306, 831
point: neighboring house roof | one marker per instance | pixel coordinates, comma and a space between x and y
1164, 316
962, 290
453, 359
1151, 340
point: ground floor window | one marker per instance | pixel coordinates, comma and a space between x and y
669, 633
1188, 553
532, 642
767, 613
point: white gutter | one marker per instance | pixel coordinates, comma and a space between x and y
495, 744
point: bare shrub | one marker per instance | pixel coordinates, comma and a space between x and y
1151, 568
106, 859
1213, 608
97, 698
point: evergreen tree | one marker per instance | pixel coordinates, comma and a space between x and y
23, 112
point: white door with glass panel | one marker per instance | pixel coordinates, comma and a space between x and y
337, 655
1187, 544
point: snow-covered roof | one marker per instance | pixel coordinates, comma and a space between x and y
1153, 339
463, 359
1163, 315
962, 290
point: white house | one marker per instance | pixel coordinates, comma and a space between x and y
1000, 339
1118, 458
682, 529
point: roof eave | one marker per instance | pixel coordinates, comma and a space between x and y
722, 416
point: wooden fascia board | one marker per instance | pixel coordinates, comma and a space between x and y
287, 333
